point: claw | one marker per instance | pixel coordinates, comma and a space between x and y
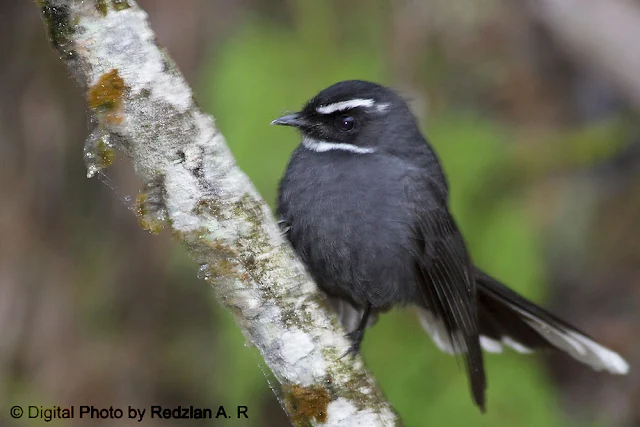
356, 338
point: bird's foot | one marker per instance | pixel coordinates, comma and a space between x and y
356, 338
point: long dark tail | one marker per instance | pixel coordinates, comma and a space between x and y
509, 320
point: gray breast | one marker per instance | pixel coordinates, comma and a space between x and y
349, 223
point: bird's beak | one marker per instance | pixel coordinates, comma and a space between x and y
295, 120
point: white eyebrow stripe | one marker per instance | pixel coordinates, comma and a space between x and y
320, 146
345, 105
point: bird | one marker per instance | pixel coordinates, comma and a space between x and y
364, 203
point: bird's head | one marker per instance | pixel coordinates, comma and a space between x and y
353, 116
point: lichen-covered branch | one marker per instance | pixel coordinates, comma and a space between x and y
142, 106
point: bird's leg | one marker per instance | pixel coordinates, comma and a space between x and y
357, 335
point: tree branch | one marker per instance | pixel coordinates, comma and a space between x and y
142, 106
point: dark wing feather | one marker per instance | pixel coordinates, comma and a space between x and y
445, 275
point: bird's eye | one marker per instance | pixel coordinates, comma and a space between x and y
345, 123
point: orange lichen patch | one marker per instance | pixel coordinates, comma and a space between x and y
305, 404
105, 97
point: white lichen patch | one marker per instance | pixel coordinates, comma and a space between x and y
305, 364
182, 192
343, 413
296, 344
251, 303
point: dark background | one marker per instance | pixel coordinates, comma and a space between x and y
542, 153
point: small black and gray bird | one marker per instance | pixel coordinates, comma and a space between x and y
365, 205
